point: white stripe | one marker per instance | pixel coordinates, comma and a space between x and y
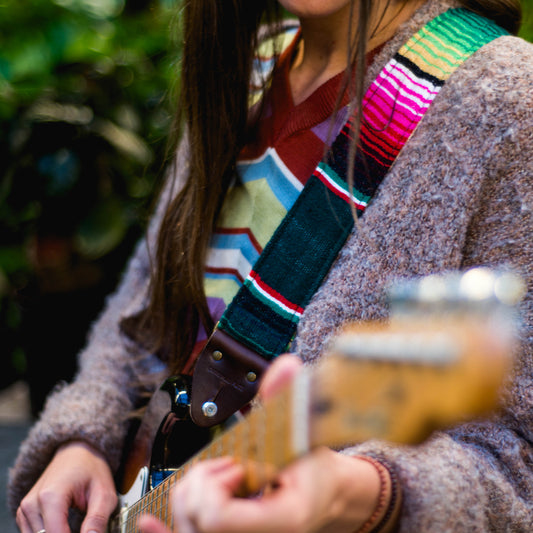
272, 299
355, 200
291, 178
228, 258
296, 183
405, 105
411, 79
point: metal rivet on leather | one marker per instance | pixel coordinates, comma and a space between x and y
209, 409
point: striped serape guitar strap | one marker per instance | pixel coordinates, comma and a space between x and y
264, 314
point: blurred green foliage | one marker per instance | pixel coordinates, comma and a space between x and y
84, 112
526, 31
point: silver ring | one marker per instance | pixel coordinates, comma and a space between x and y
41, 531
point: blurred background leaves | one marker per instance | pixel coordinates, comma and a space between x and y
84, 112
85, 105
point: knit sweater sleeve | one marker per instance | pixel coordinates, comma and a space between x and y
479, 476
94, 408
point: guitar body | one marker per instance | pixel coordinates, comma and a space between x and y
165, 439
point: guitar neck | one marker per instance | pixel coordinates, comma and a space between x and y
397, 382
259, 442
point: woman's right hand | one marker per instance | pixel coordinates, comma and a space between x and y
78, 476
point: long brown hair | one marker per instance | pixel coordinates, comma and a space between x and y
219, 40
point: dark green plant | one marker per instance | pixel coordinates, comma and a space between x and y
84, 112
526, 31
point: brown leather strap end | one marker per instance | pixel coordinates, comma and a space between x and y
225, 378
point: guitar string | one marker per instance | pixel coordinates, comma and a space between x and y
151, 503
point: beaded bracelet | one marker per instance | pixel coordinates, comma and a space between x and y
389, 492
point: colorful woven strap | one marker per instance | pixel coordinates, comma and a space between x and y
267, 308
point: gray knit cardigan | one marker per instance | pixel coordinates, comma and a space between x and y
460, 194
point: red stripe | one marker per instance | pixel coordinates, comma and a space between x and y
334, 190
275, 294
380, 162
222, 270
340, 193
241, 231
379, 147
386, 151
399, 132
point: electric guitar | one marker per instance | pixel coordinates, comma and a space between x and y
438, 362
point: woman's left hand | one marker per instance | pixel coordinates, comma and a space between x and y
324, 491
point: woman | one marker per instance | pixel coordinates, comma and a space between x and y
459, 194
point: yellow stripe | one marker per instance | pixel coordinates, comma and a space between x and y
224, 288
277, 43
253, 206
436, 68
267, 49
421, 48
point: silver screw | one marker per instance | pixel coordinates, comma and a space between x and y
209, 409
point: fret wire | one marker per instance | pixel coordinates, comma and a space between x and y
251, 451
218, 446
152, 502
244, 441
167, 502
144, 508
231, 440
278, 442
221, 445
261, 442
158, 501
171, 483
162, 508
164, 502
131, 517
129, 524
247, 446
283, 429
